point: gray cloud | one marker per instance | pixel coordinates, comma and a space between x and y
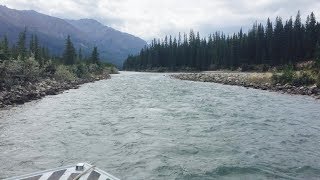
156, 18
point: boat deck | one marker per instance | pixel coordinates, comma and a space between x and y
81, 171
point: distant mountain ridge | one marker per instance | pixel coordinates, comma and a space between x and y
113, 45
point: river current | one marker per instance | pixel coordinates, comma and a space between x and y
150, 126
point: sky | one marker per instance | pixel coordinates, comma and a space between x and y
150, 19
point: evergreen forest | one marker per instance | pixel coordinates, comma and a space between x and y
277, 43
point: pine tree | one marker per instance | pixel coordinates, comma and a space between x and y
311, 35
5, 48
95, 56
278, 39
31, 46
69, 55
80, 57
288, 43
269, 38
36, 50
298, 51
22, 50
275, 44
14, 52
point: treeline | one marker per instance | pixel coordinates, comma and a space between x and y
23, 50
20, 50
277, 43
30, 62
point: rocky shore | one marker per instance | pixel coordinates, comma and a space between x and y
250, 80
20, 94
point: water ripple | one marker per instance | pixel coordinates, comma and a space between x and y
149, 126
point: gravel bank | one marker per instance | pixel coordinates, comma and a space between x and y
20, 94
250, 80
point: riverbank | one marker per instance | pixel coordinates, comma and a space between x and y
20, 94
250, 80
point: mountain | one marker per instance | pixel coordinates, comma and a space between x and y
114, 46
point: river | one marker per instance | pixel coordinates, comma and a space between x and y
150, 126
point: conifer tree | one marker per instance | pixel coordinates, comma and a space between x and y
95, 56
22, 51
311, 35
269, 38
276, 44
298, 38
36, 50
31, 43
5, 48
317, 57
69, 55
80, 57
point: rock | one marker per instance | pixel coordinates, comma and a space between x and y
287, 86
243, 79
314, 89
20, 94
264, 88
279, 87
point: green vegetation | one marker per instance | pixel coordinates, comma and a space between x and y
296, 78
69, 54
20, 65
262, 47
287, 76
318, 81
307, 73
317, 65
95, 56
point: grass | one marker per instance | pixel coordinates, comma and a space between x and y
260, 78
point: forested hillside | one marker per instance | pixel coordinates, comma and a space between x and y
29, 71
114, 45
28, 62
279, 43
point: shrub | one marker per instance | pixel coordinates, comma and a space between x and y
63, 74
303, 78
247, 68
81, 70
11, 73
93, 68
15, 72
113, 70
260, 78
13, 67
316, 66
305, 65
2, 76
288, 76
31, 69
318, 80
262, 68
49, 69
110, 70
285, 77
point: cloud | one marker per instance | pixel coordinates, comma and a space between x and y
156, 18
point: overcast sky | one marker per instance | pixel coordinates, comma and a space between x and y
156, 18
